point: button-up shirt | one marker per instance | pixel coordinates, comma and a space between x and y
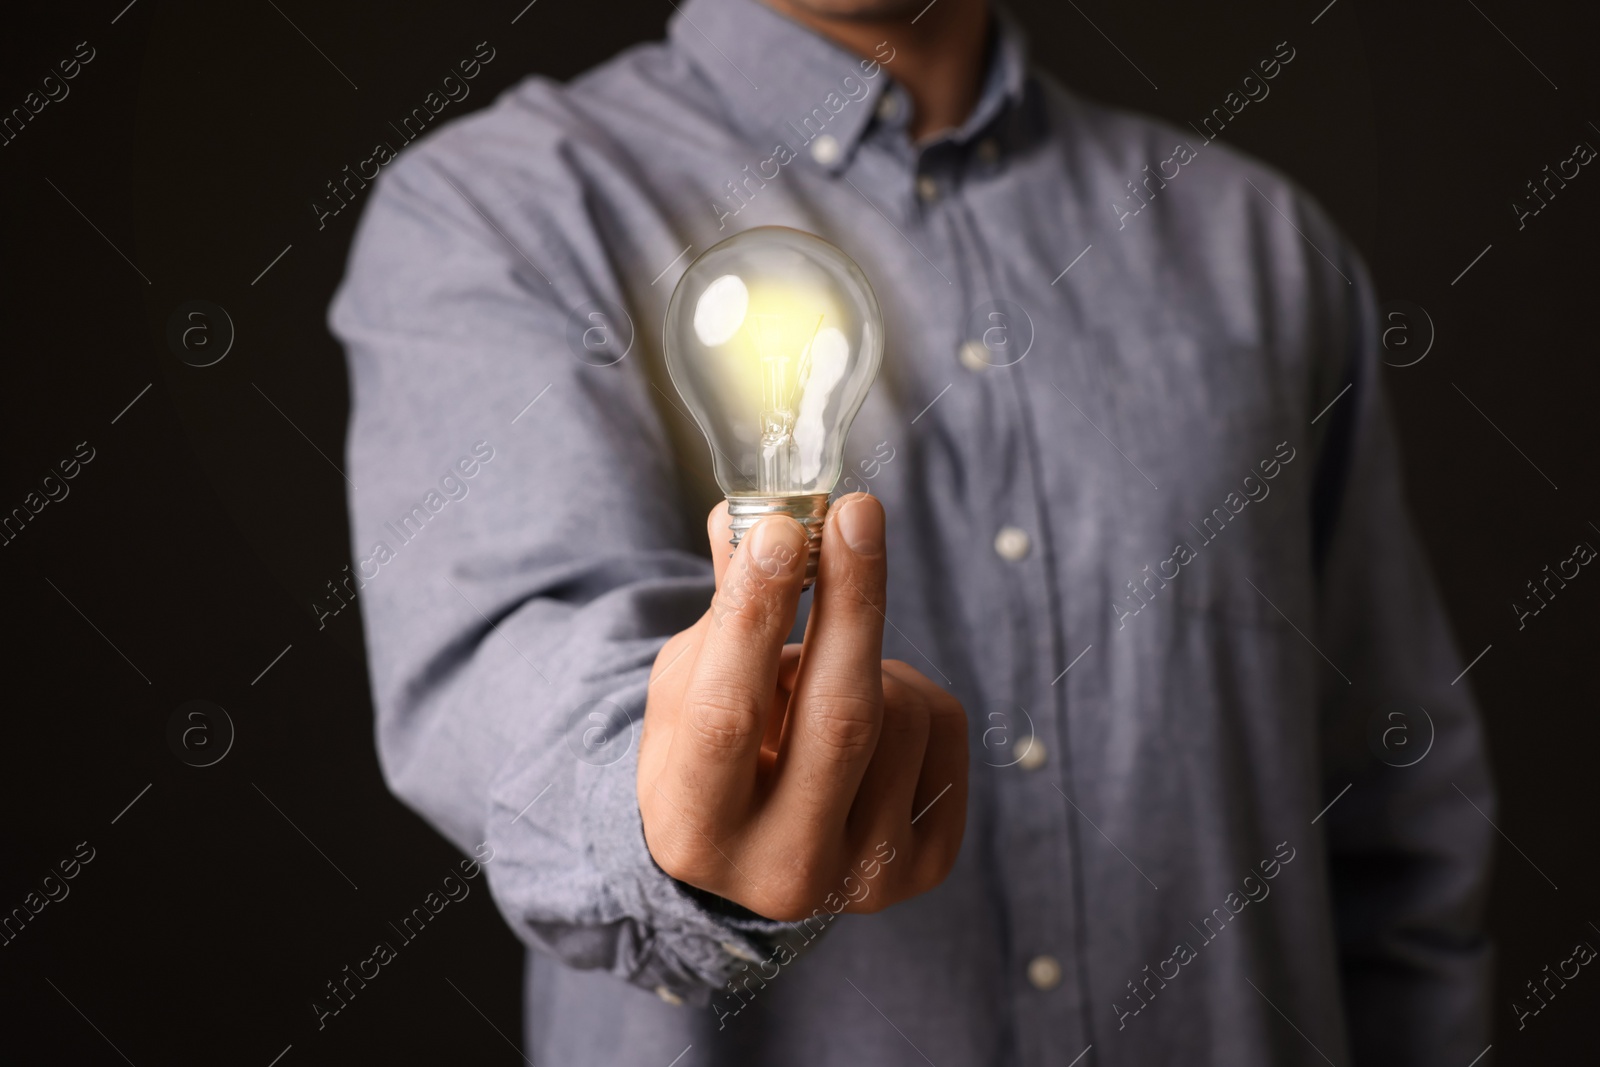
1228, 805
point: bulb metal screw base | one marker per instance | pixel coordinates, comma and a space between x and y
808, 509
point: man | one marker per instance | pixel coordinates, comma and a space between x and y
1134, 546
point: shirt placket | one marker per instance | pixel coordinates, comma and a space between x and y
1035, 847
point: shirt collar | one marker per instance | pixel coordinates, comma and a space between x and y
772, 74
1006, 79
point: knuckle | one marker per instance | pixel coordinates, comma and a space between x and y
909, 698
675, 851
806, 869
678, 648
937, 854
802, 888
905, 721
843, 725
670, 859
669, 649
890, 878
721, 719
946, 708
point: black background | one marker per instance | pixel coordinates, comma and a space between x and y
189, 551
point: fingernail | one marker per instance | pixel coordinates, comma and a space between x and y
775, 543
861, 523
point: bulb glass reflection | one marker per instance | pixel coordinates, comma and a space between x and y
773, 339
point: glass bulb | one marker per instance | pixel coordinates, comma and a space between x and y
773, 338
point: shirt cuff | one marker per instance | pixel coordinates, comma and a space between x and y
698, 941
574, 876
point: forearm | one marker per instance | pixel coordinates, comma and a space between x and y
506, 606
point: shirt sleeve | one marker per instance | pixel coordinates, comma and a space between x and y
523, 555
1409, 844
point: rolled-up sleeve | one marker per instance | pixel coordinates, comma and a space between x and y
1410, 842
512, 614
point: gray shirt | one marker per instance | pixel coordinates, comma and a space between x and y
1145, 521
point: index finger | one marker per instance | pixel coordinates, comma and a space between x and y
713, 758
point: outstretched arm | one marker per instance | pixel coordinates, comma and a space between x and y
512, 638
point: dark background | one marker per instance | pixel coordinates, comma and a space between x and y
189, 551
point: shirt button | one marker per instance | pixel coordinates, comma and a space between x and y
973, 355
1011, 544
988, 151
1033, 755
888, 107
1044, 972
825, 149
927, 188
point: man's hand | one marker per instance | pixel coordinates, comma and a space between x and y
768, 771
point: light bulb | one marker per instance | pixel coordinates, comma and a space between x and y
773, 338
